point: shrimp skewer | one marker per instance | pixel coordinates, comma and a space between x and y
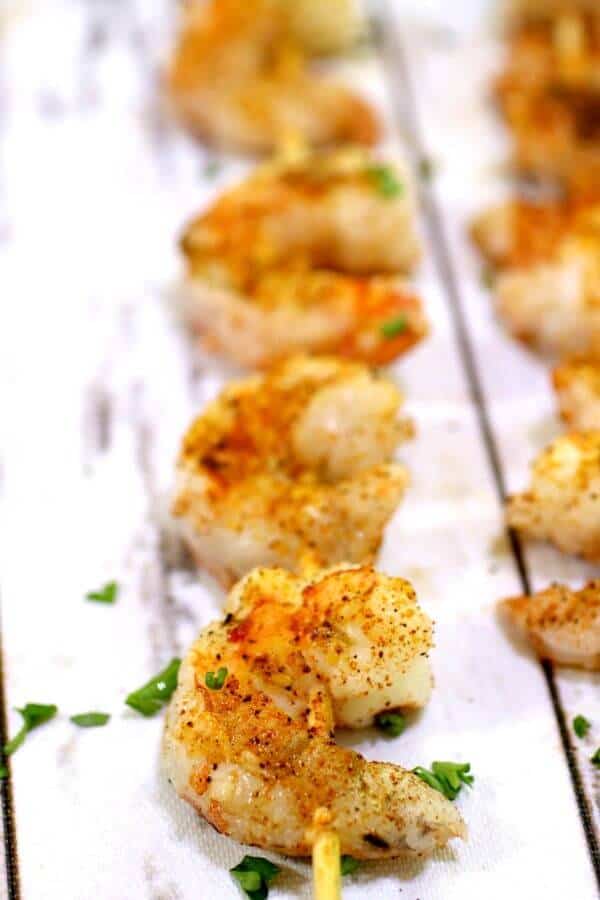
562, 625
239, 77
563, 502
305, 255
298, 657
290, 465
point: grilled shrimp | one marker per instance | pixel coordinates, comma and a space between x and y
577, 385
302, 256
548, 289
239, 77
561, 624
550, 96
289, 466
563, 502
257, 758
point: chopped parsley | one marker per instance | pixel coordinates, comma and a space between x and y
581, 726
446, 777
393, 327
384, 181
152, 696
595, 759
254, 874
391, 723
3, 772
348, 865
106, 594
33, 714
90, 719
215, 682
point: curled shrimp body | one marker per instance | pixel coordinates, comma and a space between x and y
562, 625
548, 288
258, 759
292, 464
562, 504
550, 96
305, 255
239, 77
577, 384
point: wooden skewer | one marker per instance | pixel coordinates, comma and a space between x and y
327, 877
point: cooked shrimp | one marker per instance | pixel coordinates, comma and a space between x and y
563, 502
300, 257
550, 96
577, 385
292, 464
562, 625
549, 293
239, 77
257, 758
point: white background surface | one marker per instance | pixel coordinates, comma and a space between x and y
98, 386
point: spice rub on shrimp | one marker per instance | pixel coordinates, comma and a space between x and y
562, 625
257, 756
303, 255
239, 77
290, 465
577, 384
550, 96
563, 503
548, 287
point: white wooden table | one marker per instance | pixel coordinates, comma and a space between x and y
98, 385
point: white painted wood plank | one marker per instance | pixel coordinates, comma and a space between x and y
101, 384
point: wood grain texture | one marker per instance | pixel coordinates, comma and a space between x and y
99, 383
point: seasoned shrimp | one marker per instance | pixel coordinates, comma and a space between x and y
257, 758
548, 289
561, 624
290, 465
239, 77
577, 384
563, 502
301, 256
550, 96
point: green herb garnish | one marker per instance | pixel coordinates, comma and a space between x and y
393, 327
90, 719
215, 682
581, 726
34, 714
106, 594
151, 697
254, 874
384, 181
3, 772
391, 723
446, 777
348, 865
595, 759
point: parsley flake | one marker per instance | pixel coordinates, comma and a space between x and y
581, 726
348, 865
106, 594
391, 723
595, 759
393, 327
215, 682
152, 696
254, 874
384, 181
34, 714
90, 719
446, 777
3, 772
